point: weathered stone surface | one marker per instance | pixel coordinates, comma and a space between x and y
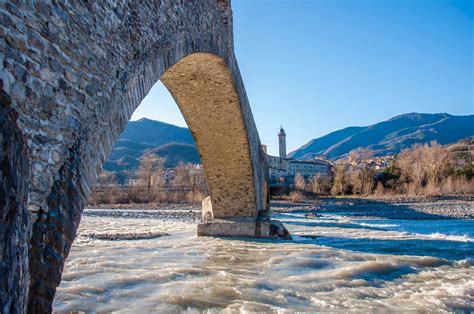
207, 214
53, 234
203, 87
76, 70
244, 227
14, 173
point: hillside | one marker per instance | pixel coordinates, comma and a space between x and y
391, 136
155, 133
388, 137
148, 136
176, 152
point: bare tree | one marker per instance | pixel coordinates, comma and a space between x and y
362, 179
437, 162
150, 173
182, 176
197, 178
423, 167
158, 172
412, 168
299, 182
314, 184
340, 182
319, 184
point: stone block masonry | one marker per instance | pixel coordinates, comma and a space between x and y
14, 229
72, 74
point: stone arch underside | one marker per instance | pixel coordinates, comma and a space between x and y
74, 72
205, 92
208, 97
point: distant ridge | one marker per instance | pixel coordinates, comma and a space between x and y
155, 133
390, 136
147, 136
176, 144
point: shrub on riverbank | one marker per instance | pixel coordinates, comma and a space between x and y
429, 169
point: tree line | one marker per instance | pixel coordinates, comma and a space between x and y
427, 169
152, 182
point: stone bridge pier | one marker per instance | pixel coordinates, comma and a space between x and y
71, 75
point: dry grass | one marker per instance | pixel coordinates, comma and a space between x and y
137, 195
296, 197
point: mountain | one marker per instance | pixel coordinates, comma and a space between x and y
176, 152
176, 144
155, 133
147, 136
389, 137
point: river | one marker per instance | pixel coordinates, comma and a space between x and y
335, 263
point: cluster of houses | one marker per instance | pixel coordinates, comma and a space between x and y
282, 168
377, 163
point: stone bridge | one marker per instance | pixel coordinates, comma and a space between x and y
72, 73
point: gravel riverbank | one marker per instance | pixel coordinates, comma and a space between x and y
394, 208
390, 208
186, 214
150, 206
125, 236
173, 213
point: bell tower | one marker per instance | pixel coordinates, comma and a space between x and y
282, 143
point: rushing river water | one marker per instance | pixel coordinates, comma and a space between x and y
356, 264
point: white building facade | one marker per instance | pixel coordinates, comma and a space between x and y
285, 168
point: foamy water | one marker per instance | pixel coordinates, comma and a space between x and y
363, 265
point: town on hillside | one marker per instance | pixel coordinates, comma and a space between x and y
420, 169
283, 169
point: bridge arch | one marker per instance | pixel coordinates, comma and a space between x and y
208, 97
73, 73
203, 88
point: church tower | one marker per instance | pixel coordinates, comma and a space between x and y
282, 143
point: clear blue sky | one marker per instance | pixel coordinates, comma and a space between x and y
315, 66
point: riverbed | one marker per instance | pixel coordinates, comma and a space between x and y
336, 262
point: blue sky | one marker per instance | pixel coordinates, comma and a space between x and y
316, 66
